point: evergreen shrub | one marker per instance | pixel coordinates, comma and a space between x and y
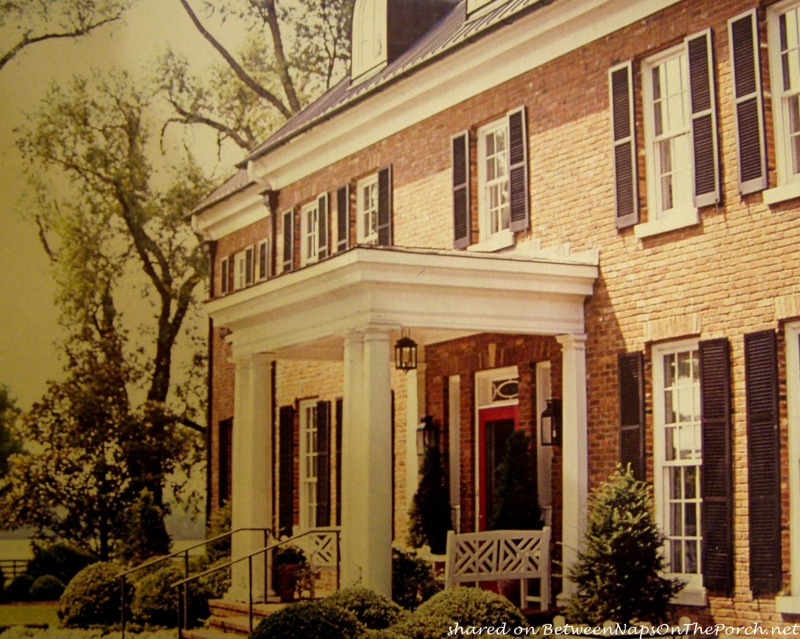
92, 597
20, 588
618, 573
59, 559
317, 619
413, 580
46, 588
429, 517
516, 506
371, 609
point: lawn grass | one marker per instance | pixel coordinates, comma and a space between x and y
28, 615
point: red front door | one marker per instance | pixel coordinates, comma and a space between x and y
495, 425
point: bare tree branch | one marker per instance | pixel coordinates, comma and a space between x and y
280, 57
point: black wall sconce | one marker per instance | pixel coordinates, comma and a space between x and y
405, 353
551, 423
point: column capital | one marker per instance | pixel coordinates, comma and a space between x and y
572, 340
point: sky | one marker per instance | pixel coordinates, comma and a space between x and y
29, 328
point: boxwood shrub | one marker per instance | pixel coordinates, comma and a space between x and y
370, 608
58, 559
92, 597
413, 580
20, 588
318, 619
46, 588
155, 601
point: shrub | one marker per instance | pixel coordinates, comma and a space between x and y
217, 583
429, 517
46, 588
515, 505
370, 608
465, 606
309, 620
618, 572
59, 559
218, 523
20, 587
413, 580
92, 597
155, 601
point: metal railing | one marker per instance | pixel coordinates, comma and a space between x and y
183, 584
123, 576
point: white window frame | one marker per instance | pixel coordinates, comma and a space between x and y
693, 594
788, 180
369, 50
683, 212
502, 237
242, 275
364, 235
790, 602
224, 277
309, 233
263, 249
309, 463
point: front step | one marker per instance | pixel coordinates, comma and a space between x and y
230, 619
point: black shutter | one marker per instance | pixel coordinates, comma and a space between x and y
322, 227
286, 470
385, 207
231, 272
622, 125
716, 480
225, 468
249, 265
343, 218
288, 240
763, 461
518, 169
704, 119
224, 267
339, 413
631, 412
743, 36
323, 463
461, 208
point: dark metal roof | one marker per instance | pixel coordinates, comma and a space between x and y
232, 185
452, 32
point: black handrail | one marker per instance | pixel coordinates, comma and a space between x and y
183, 584
185, 552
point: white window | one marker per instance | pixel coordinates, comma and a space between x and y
263, 260
309, 464
667, 131
310, 229
369, 36
243, 263
224, 266
494, 207
678, 457
784, 48
367, 210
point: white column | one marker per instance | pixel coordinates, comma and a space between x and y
415, 409
377, 540
574, 451
252, 473
353, 454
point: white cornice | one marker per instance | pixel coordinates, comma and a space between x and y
231, 214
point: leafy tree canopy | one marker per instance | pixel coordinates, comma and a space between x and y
9, 444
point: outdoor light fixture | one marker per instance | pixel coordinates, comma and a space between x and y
551, 423
427, 436
405, 353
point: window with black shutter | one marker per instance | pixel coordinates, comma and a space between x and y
763, 461
461, 208
286, 470
518, 169
339, 413
384, 227
743, 36
622, 125
224, 277
631, 410
322, 212
343, 218
716, 480
225, 468
323, 464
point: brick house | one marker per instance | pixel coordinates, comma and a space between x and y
593, 201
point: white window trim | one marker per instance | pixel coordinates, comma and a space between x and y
788, 184
790, 604
361, 238
680, 217
491, 241
306, 257
259, 275
693, 593
305, 521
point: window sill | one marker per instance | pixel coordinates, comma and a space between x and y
788, 605
675, 220
691, 596
782, 193
496, 242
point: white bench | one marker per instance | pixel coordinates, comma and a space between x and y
501, 555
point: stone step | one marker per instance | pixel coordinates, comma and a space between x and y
208, 633
227, 608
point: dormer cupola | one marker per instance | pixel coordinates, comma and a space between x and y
385, 29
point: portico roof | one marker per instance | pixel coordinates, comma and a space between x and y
438, 294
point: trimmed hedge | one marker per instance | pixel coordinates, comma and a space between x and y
371, 609
58, 559
413, 580
20, 588
92, 597
318, 619
46, 588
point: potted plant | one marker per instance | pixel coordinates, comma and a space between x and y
289, 562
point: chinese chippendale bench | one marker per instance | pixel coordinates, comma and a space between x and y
499, 555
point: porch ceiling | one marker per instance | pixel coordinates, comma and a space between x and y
438, 294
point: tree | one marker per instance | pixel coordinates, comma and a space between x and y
117, 224
272, 77
9, 444
516, 505
430, 509
24, 23
618, 572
